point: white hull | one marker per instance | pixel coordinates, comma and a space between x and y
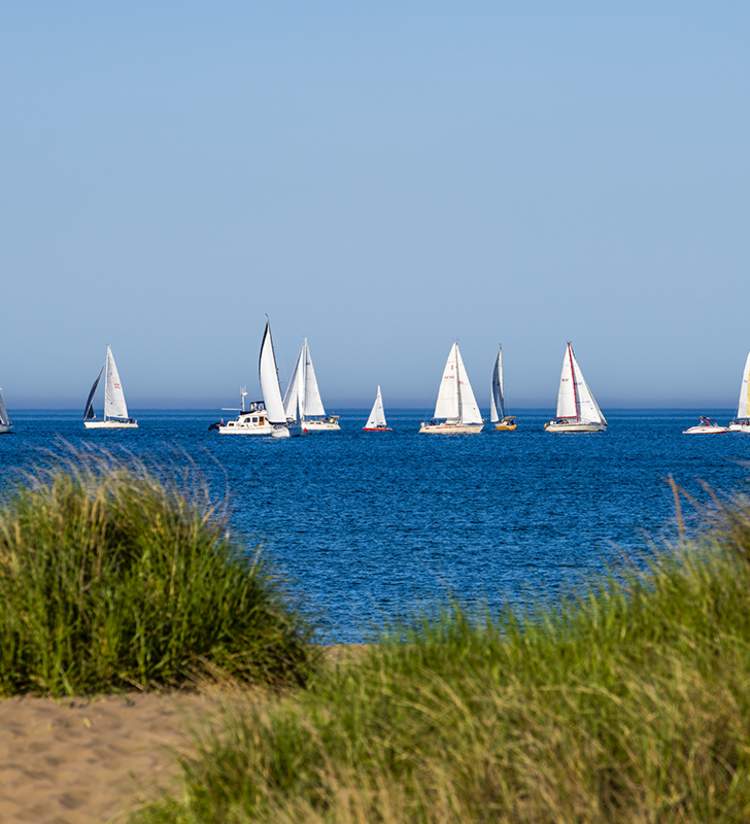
574, 426
110, 424
5, 430
312, 425
736, 426
706, 430
241, 427
451, 428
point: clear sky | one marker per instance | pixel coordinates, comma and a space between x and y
383, 178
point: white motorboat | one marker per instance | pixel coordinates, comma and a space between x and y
503, 422
377, 422
706, 426
456, 409
302, 401
264, 417
577, 409
742, 422
6, 427
115, 408
250, 421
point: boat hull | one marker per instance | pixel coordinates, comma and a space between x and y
506, 426
312, 425
6, 429
451, 428
377, 429
234, 428
574, 426
706, 430
110, 424
739, 426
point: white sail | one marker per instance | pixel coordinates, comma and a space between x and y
588, 408
114, 396
377, 413
567, 396
743, 407
497, 392
294, 397
5, 420
447, 405
269, 379
468, 407
313, 404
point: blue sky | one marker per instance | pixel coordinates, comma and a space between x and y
383, 179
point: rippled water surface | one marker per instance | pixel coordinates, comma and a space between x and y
369, 526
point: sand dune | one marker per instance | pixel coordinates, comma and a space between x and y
77, 760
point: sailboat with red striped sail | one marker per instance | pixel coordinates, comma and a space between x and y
577, 409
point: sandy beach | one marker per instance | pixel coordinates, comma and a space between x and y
70, 761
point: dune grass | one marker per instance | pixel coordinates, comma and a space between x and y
631, 704
111, 578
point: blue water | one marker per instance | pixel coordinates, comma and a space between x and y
367, 527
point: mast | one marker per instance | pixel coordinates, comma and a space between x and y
106, 381
458, 387
303, 384
573, 378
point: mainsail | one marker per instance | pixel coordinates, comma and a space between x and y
313, 401
497, 393
4, 419
114, 397
743, 407
456, 401
269, 379
294, 397
575, 400
88, 410
377, 413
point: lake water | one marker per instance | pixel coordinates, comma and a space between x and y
370, 526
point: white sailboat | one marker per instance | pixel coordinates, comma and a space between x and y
742, 422
115, 409
377, 422
264, 417
503, 422
6, 427
456, 410
302, 401
577, 409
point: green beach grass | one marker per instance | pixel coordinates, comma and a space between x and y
112, 579
631, 704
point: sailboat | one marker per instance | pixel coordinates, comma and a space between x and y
577, 409
6, 427
742, 422
503, 422
456, 410
302, 401
264, 417
377, 422
115, 409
